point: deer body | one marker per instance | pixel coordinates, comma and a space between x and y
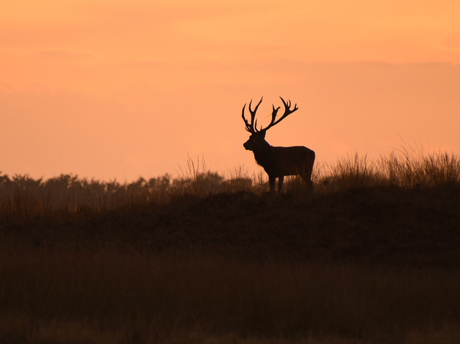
279, 161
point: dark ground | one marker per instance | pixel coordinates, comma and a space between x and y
382, 225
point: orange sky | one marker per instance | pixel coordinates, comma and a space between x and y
122, 89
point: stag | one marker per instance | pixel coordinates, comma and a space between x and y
278, 162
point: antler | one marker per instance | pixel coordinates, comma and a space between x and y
251, 127
287, 112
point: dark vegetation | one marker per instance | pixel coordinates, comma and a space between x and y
386, 225
372, 256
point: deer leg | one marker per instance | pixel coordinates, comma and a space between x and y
280, 183
272, 182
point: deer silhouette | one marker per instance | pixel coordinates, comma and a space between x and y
278, 162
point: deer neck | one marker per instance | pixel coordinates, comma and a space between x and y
263, 154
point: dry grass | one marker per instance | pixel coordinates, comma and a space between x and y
371, 257
109, 296
408, 168
22, 195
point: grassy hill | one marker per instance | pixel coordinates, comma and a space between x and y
373, 225
372, 256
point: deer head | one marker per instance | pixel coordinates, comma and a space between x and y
257, 138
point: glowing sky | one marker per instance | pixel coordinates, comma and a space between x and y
122, 89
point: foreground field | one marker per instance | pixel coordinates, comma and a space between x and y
106, 296
365, 259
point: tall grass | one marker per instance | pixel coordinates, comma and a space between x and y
350, 172
24, 196
408, 168
108, 296
197, 180
114, 291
